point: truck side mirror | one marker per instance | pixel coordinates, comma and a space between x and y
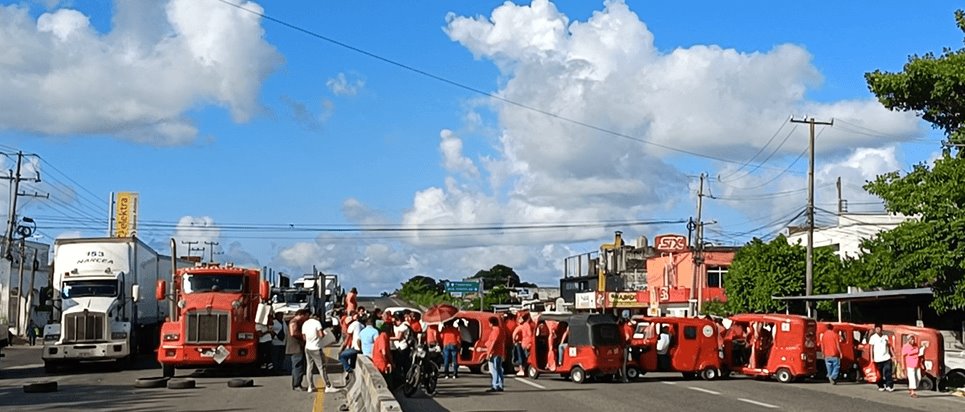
161, 290
264, 290
136, 292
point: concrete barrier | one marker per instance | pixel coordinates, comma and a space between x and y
368, 391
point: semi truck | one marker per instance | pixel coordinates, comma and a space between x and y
214, 312
100, 312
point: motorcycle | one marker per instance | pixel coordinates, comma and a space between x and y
422, 372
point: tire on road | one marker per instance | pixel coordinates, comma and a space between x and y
241, 383
709, 374
532, 372
784, 375
578, 375
633, 373
954, 378
40, 387
151, 382
484, 368
181, 384
926, 384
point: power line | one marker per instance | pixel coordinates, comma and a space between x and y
769, 156
759, 151
471, 88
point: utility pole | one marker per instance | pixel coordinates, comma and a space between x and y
30, 290
20, 309
190, 243
211, 250
698, 248
15, 178
809, 263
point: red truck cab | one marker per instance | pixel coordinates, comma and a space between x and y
215, 310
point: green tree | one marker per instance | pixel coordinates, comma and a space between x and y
423, 291
500, 275
928, 251
762, 270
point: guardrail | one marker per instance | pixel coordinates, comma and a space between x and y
368, 391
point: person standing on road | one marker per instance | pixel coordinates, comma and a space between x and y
881, 356
831, 347
523, 344
367, 336
495, 349
382, 357
450, 348
911, 354
627, 329
278, 333
264, 345
663, 349
32, 333
313, 331
295, 348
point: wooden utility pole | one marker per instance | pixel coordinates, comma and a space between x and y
190, 248
211, 250
809, 263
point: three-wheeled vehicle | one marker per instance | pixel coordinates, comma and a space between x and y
592, 346
474, 330
783, 346
933, 360
849, 335
696, 347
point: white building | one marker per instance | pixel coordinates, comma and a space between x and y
851, 229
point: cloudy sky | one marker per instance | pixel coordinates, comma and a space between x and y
382, 140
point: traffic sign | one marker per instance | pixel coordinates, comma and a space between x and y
462, 287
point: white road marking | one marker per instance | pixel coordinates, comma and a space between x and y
668, 383
533, 384
753, 402
30, 366
703, 390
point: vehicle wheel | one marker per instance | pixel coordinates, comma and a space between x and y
783, 375
241, 383
578, 375
532, 372
50, 366
181, 384
152, 382
926, 384
411, 382
633, 373
484, 368
167, 371
709, 374
689, 375
40, 387
431, 380
955, 378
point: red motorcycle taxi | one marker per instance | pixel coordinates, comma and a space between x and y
773, 345
696, 347
578, 347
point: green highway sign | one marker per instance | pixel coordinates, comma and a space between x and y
462, 287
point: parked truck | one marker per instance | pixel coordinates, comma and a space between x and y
214, 312
99, 309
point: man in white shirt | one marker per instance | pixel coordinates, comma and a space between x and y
881, 356
313, 331
278, 333
663, 349
264, 345
351, 347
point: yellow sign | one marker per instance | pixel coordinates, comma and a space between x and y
125, 214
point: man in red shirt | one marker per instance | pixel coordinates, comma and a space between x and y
523, 340
831, 347
380, 353
450, 348
351, 300
496, 350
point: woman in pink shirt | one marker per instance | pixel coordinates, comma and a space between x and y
911, 354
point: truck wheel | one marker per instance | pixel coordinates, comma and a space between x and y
181, 384
167, 371
926, 384
241, 383
40, 387
784, 375
50, 366
578, 375
153, 382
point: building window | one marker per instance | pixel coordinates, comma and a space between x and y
715, 276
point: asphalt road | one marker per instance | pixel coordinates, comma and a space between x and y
671, 392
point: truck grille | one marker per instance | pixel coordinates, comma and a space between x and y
84, 327
207, 327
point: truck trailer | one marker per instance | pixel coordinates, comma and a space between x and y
214, 313
100, 312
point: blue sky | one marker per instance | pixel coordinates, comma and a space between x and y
218, 117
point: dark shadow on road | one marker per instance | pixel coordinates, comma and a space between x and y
91, 397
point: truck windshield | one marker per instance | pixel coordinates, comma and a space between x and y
82, 288
296, 297
213, 283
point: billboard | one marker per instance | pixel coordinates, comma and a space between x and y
585, 300
125, 214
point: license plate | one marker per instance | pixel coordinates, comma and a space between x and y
84, 354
